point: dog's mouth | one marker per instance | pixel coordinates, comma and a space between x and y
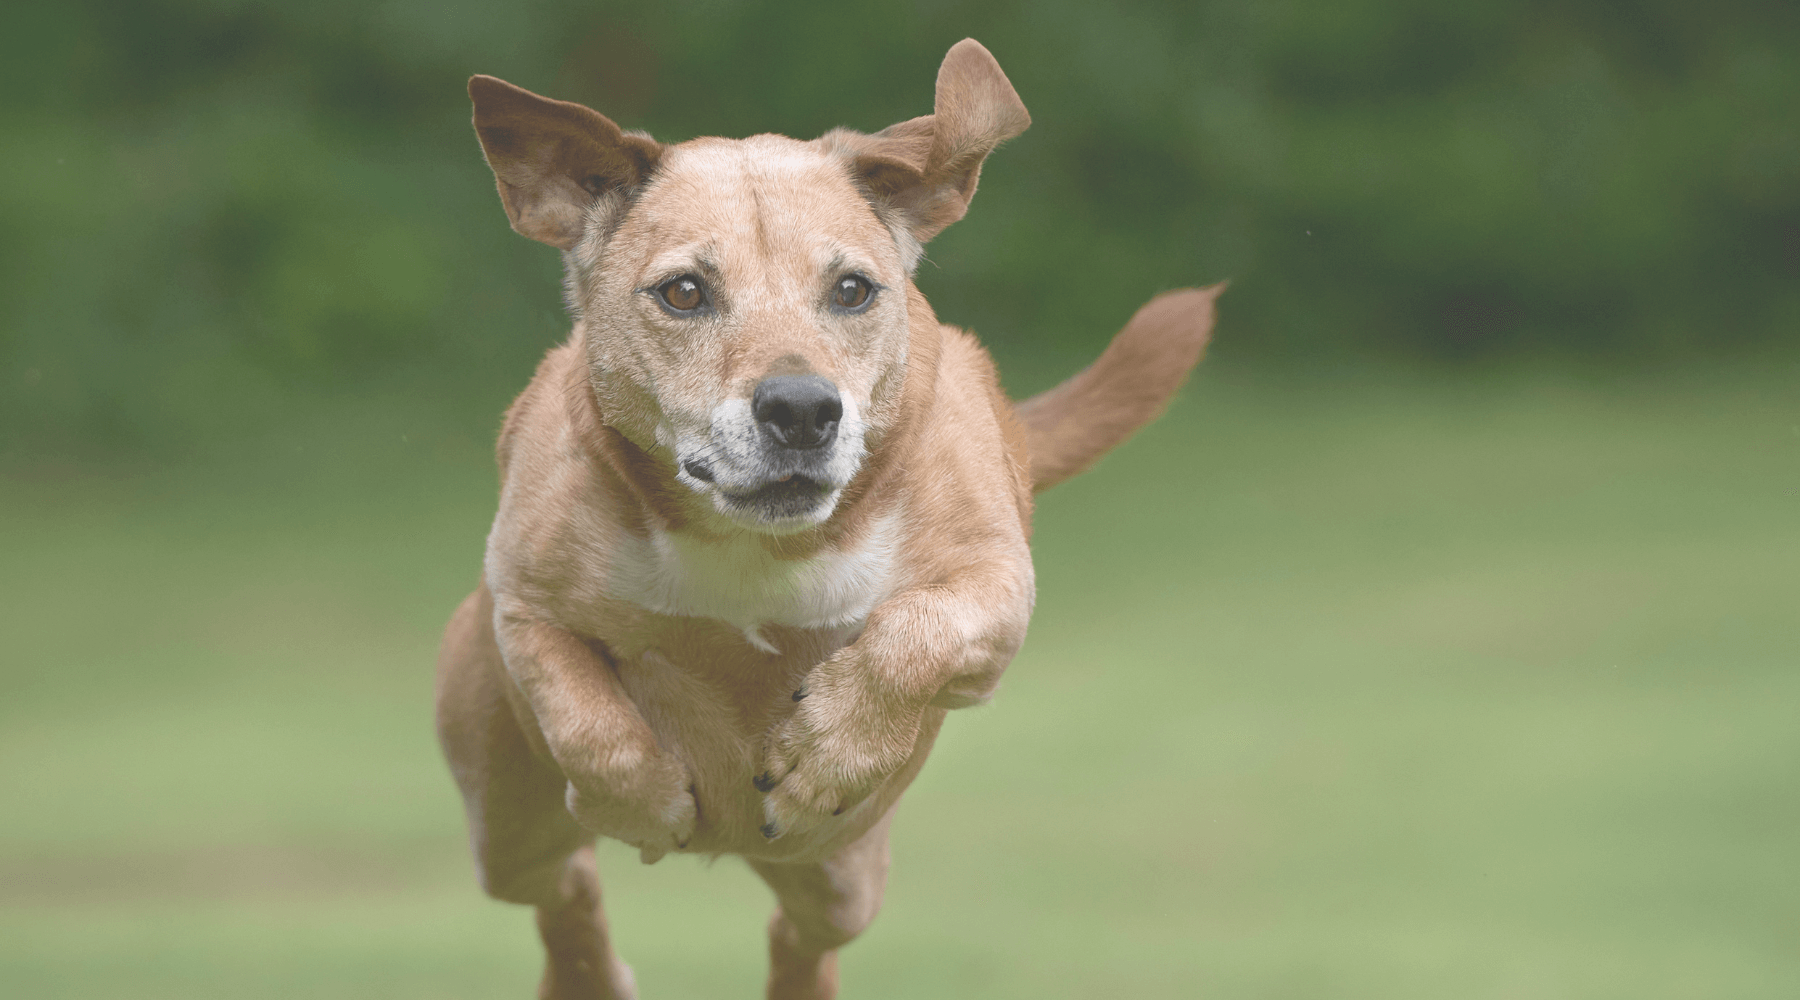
772, 500
791, 496
754, 481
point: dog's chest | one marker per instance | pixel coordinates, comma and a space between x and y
740, 582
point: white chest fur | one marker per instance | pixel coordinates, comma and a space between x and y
739, 582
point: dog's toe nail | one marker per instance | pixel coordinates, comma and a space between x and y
839, 811
770, 830
763, 782
799, 694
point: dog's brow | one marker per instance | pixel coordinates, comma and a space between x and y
700, 257
842, 260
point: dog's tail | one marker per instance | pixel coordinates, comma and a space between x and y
1069, 427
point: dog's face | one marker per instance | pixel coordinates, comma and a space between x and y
744, 302
748, 316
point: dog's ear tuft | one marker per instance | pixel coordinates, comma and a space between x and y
553, 159
923, 172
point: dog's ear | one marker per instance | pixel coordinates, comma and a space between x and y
922, 172
553, 159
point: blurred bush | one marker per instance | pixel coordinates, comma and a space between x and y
212, 211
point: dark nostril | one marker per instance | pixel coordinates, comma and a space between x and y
830, 412
798, 411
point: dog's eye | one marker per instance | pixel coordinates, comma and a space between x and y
853, 292
683, 294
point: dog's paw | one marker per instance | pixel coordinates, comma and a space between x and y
649, 804
837, 748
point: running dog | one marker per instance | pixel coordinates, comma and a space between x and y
763, 518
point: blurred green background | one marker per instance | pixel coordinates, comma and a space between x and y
1441, 642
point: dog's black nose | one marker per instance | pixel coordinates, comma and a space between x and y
798, 411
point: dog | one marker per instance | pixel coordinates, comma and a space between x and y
763, 520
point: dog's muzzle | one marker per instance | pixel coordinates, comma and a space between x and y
779, 460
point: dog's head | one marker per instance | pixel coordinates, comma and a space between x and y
744, 301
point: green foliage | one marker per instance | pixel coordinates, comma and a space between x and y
212, 211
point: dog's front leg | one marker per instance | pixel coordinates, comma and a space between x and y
622, 783
859, 712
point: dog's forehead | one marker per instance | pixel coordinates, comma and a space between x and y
767, 188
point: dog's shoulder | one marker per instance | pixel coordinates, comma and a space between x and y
552, 524
535, 415
975, 445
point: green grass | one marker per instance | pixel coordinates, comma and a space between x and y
1381, 688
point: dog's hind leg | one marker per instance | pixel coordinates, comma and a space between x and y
822, 907
528, 849
580, 960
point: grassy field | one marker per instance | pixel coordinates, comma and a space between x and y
1382, 687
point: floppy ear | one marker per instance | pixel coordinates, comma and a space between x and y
553, 159
922, 173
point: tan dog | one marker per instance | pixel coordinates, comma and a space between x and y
763, 519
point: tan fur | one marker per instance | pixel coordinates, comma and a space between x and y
669, 658
1069, 427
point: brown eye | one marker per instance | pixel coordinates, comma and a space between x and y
682, 294
853, 292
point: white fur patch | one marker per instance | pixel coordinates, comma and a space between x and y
742, 459
739, 460
911, 250
740, 583
753, 635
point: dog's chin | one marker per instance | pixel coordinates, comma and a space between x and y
780, 507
